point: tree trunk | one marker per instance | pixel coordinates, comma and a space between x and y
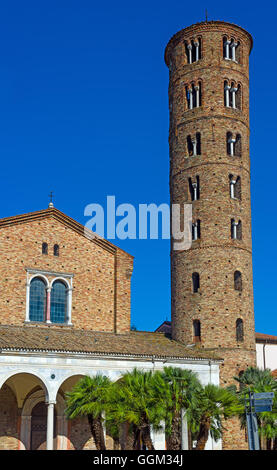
146, 437
174, 440
203, 434
97, 432
268, 444
116, 444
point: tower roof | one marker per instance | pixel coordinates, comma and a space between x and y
205, 25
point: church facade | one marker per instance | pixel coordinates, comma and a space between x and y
65, 313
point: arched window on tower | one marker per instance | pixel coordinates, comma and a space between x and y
56, 250
226, 48
232, 95
194, 189
236, 230
58, 308
196, 232
227, 96
37, 300
44, 249
194, 95
194, 145
239, 330
238, 281
231, 49
233, 145
193, 50
196, 331
235, 187
195, 282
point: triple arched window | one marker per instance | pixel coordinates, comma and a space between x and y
232, 95
48, 302
193, 50
231, 49
194, 95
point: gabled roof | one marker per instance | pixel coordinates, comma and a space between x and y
134, 344
65, 220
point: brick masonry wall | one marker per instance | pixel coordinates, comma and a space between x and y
101, 282
215, 256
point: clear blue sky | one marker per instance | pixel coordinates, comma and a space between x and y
84, 112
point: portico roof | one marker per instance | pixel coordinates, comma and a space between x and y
70, 340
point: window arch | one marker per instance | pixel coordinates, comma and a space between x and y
44, 248
58, 305
238, 281
239, 330
37, 302
56, 250
196, 331
195, 282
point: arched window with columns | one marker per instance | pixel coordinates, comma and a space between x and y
48, 300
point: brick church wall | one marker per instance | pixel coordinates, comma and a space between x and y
101, 282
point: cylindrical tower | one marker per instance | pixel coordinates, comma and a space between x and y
211, 283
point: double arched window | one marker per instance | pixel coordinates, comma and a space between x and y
48, 302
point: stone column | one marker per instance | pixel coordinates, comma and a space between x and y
50, 426
184, 427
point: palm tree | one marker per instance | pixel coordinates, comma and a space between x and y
89, 398
214, 404
178, 389
260, 380
134, 403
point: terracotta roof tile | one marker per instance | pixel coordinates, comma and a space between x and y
135, 343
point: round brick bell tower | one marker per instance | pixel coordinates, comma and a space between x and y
211, 283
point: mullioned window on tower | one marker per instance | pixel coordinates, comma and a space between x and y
193, 50
236, 230
194, 145
196, 230
235, 187
194, 95
231, 49
194, 188
233, 144
232, 95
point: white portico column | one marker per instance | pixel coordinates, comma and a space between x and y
184, 430
50, 426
